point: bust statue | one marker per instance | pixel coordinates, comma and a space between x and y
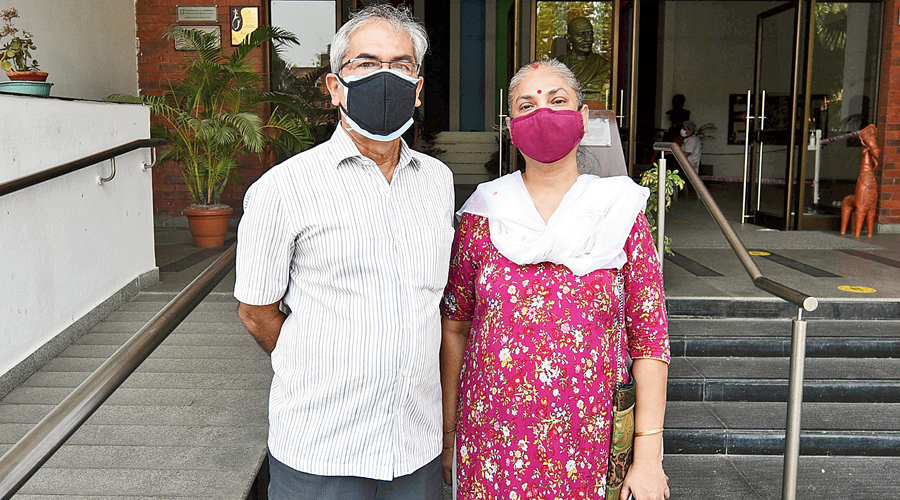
591, 69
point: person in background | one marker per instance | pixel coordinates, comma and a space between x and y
691, 144
353, 238
554, 280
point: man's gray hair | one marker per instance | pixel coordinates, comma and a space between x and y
553, 65
398, 17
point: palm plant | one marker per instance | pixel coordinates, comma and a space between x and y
212, 115
316, 110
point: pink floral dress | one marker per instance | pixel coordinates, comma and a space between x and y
539, 368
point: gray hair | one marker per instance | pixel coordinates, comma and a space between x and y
398, 17
554, 65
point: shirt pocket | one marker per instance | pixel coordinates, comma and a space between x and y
431, 251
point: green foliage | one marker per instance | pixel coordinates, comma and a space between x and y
650, 179
15, 53
212, 115
313, 100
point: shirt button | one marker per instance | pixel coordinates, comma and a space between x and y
405, 373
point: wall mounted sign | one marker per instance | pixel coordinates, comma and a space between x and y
182, 44
196, 14
243, 21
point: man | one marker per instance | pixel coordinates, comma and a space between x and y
591, 69
353, 237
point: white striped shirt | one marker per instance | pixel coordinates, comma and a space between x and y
362, 264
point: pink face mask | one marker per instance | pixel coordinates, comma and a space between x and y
546, 135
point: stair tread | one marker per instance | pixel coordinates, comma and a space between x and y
713, 477
745, 327
777, 368
766, 416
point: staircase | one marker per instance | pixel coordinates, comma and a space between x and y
726, 409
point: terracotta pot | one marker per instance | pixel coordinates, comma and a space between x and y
27, 76
208, 225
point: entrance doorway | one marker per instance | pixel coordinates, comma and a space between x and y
760, 79
775, 112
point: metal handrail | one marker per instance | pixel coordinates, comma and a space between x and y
798, 325
775, 288
66, 168
21, 461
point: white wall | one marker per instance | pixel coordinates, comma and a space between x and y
68, 244
87, 47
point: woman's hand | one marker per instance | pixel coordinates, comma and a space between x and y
645, 480
447, 464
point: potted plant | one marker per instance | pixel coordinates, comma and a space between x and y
211, 117
650, 179
15, 53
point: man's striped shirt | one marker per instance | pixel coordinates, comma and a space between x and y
362, 265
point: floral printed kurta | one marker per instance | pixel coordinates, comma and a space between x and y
535, 393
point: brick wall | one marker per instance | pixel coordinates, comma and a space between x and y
888, 218
158, 63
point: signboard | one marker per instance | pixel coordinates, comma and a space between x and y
182, 44
196, 14
243, 21
598, 133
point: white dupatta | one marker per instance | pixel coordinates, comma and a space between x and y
586, 232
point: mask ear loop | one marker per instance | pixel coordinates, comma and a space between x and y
346, 90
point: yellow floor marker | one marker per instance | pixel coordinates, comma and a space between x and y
758, 253
856, 289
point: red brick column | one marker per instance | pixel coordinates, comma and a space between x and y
888, 123
159, 63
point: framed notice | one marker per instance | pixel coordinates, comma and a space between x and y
243, 21
196, 14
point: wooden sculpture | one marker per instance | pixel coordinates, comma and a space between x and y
863, 202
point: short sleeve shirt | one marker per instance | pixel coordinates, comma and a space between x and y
362, 264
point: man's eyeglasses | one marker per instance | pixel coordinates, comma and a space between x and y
364, 66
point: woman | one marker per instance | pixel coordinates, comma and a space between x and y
529, 356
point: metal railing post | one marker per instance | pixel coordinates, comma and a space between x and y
795, 402
661, 199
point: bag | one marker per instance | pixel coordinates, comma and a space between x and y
621, 437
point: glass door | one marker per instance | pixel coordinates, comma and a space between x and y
771, 155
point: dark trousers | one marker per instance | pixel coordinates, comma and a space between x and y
286, 483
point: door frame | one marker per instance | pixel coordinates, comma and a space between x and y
795, 167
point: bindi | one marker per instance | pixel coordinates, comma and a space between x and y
539, 91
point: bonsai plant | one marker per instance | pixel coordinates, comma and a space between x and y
16, 60
211, 117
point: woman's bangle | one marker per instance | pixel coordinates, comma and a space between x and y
451, 431
648, 433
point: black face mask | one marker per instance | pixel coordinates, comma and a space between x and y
380, 105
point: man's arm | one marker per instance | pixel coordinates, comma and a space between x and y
264, 323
